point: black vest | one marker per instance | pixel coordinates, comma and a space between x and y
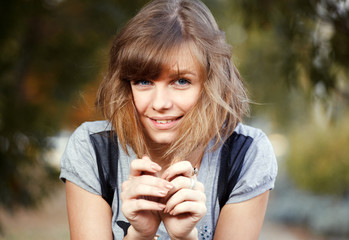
232, 157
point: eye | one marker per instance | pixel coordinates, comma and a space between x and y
141, 82
182, 82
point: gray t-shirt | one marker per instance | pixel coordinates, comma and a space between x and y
259, 170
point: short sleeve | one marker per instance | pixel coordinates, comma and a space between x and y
258, 173
78, 162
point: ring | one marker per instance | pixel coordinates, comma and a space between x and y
195, 171
192, 183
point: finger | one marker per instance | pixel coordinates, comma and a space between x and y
197, 209
139, 166
185, 182
183, 196
183, 168
143, 190
130, 208
145, 185
143, 179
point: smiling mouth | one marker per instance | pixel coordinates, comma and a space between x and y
166, 121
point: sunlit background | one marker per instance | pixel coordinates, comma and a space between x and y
293, 55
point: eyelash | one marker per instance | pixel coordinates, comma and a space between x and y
178, 82
181, 79
141, 82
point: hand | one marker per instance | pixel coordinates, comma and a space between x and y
185, 206
140, 196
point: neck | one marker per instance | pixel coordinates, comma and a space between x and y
196, 156
157, 155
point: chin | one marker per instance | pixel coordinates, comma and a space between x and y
162, 141
166, 139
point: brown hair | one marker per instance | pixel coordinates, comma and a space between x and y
141, 51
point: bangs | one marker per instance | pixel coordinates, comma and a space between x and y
152, 59
148, 54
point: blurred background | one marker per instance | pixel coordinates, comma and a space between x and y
293, 55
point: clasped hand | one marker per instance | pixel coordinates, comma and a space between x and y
176, 198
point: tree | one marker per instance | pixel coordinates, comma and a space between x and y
299, 44
49, 50
295, 56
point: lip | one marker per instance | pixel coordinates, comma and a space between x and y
164, 123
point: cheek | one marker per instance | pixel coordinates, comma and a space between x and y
140, 103
188, 101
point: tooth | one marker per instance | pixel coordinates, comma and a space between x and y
163, 121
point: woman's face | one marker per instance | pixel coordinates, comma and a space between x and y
163, 102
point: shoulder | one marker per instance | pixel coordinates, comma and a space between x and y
80, 140
78, 162
249, 131
89, 128
259, 140
259, 168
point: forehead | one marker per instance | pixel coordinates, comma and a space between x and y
182, 60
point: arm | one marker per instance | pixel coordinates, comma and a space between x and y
89, 214
242, 220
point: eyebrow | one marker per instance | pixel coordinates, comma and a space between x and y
181, 72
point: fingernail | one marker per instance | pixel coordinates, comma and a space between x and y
161, 206
164, 175
155, 167
169, 186
162, 192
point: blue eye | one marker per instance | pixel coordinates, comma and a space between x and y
141, 82
182, 81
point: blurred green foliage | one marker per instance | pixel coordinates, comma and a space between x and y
291, 48
319, 157
310, 36
49, 50
290, 53
294, 56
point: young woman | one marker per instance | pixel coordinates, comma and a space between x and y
171, 99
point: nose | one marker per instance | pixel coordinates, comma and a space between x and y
161, 99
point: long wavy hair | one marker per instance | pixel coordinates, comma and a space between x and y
141, 51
